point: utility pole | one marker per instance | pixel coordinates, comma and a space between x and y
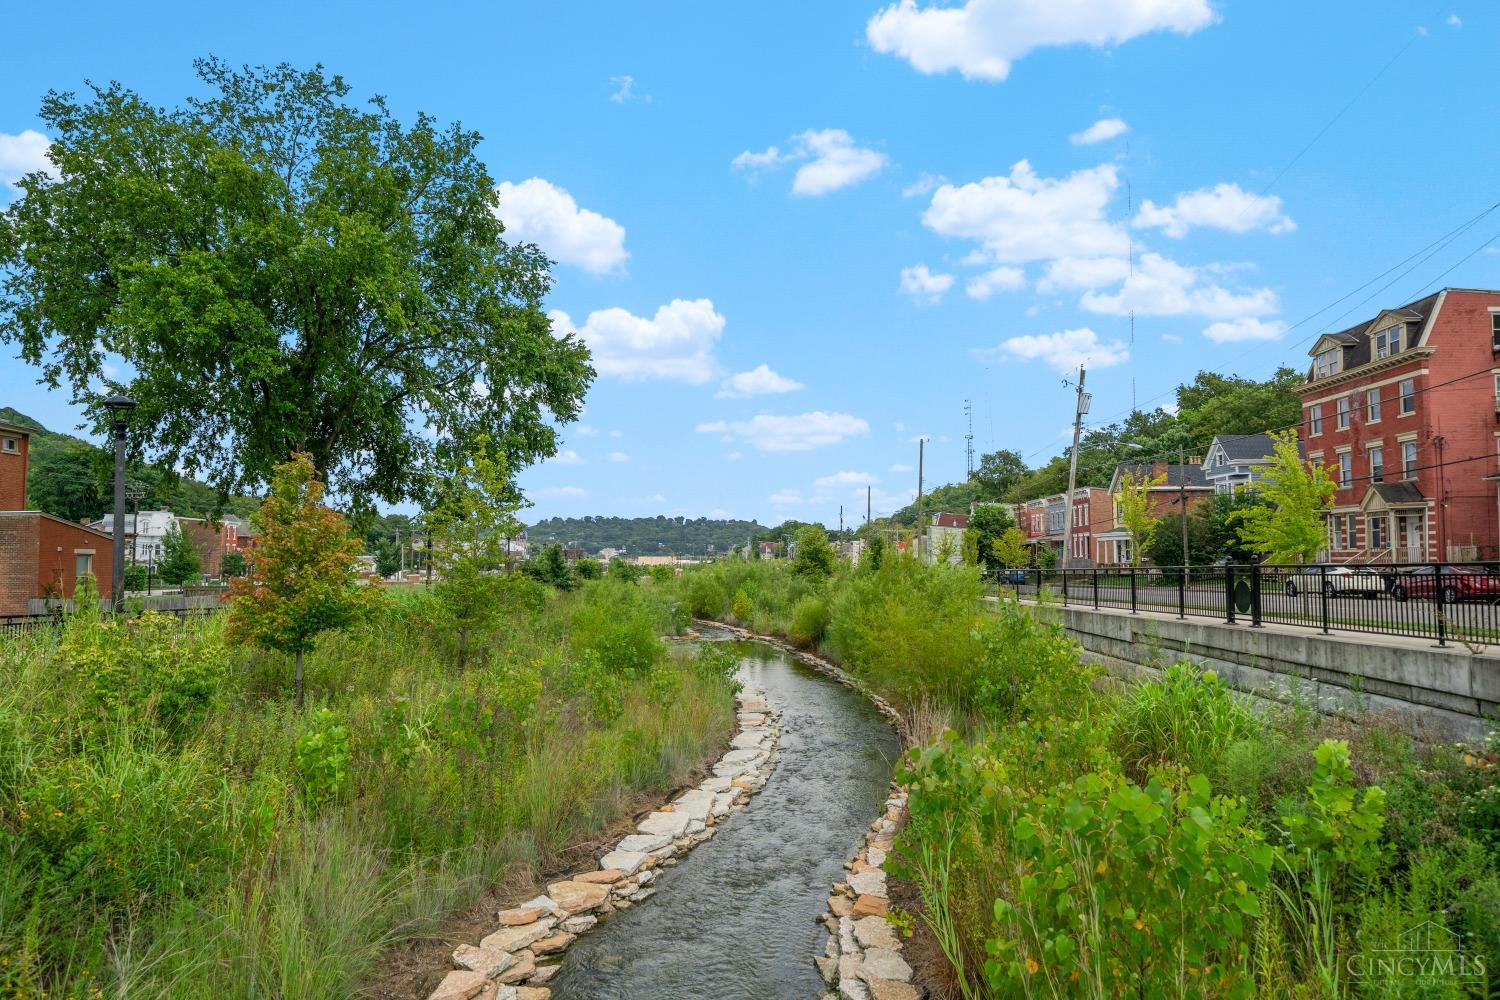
1182, 506
1079, 410
969, 438
841, 521
867, 505
921, 512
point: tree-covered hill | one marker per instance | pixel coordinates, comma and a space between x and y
647, 536
70, 477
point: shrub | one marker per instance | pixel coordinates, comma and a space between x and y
1028, 668
322, 757
618, 623
809, 621
743, 609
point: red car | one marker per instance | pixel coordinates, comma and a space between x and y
1451, 585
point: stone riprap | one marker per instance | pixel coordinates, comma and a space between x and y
525, 950
862, 958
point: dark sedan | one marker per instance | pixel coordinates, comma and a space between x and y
1450, 584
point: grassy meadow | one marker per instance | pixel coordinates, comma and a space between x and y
1072, 837
171, 826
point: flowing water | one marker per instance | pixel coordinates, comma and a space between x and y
737, 918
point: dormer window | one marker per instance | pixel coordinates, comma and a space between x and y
1326, 363
1388, 341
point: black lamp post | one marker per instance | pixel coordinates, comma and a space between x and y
119, 407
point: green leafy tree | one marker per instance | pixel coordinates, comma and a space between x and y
987, 524
301, 580
1165, 547
233, 565
1136, 516
180, 560
815, 557
1289, 526
1224, 404
548, 566
874, 553
473, 515
284, 270
1010, 548
998, 473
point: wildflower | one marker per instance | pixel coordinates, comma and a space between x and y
1031, 965
1139, 923
1100, 868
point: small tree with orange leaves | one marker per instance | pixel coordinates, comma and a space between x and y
300, 580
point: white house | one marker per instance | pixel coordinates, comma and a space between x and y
145, 532
1235, 461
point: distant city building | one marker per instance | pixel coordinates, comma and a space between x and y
1114, 544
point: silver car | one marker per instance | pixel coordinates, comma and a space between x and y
1336, 581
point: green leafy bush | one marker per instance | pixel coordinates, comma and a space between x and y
809, 621
322, 757
743, 609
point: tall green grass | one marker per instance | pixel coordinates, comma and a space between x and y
216, 843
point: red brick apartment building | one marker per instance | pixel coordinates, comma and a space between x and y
40, 555
1403, 410
1112, 541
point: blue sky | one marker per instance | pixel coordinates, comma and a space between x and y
892, 207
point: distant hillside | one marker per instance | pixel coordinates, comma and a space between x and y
645, 535
70, 478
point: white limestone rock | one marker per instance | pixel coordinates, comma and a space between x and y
628, 862
670, 824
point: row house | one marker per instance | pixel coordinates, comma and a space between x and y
1236, 461
1093, 515
1177, 481
945, 532
41, 556
1403, 410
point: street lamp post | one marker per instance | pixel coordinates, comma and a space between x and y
119, 407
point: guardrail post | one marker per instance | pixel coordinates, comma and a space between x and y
1132, 590
1064, 572
1094, 580
1437, 599
1323, 594
1182, 594
1228, 592
1255, 591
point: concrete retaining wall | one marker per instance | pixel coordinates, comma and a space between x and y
1446, 694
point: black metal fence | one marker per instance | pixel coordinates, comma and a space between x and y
1447, 602
12, 626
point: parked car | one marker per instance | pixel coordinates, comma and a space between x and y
1015, 577
1450, 584
1336, 581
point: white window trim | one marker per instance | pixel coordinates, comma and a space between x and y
1393, 380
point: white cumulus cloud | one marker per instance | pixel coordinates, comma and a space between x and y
1063, 351
1223, 206
1248, 328
624, 88
540, 212
829, 159
999, 279
982, 38
1101, 131
786, 498
1163, 287
568, 457
618, 456
676, 344
22, 154
903, 468
920, 283
803, 432
557, 492
758, 381
1025, 217
838, 479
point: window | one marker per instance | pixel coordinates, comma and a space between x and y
1346, 469
1340, 539
1495, 330
1408, 396
1497, 392
83, 565
1388, 342
1376, 525
1353, 521
11, 445
1377, 465
1327, 362
1409, 459
1372, 405
1315, 420
1343, 413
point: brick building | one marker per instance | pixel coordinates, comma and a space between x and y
41, 555
1113, 542
1403, 410
946, 530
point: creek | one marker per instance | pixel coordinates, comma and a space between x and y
738, 916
